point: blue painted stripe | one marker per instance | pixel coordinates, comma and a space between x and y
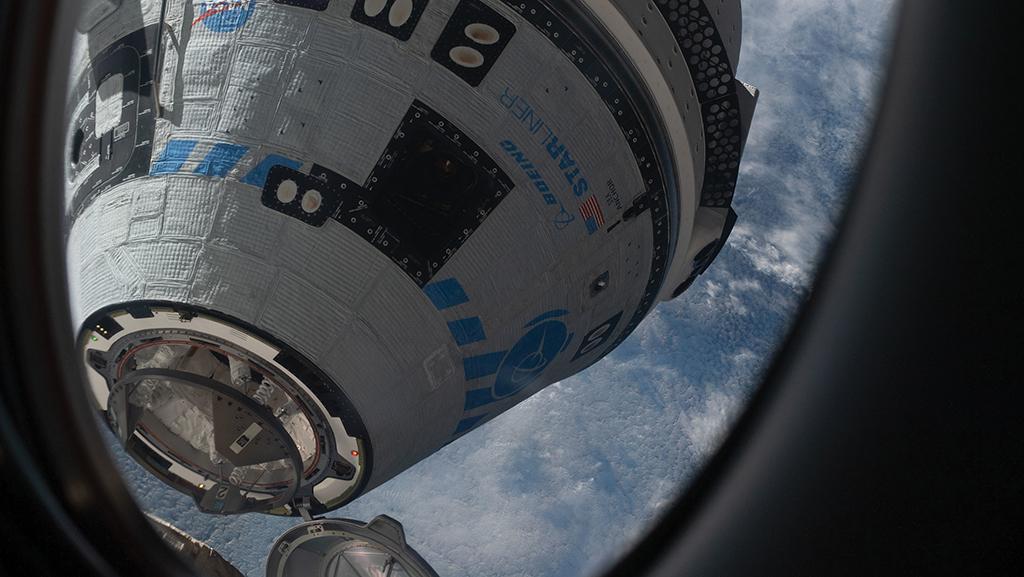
258, 175
468, 424
446, 294
221, 159
175, 156
478, 398
548, 315
482, 365
466, 331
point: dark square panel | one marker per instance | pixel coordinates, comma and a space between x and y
396, 18
472, 41
329, 195
431, 189
318, 5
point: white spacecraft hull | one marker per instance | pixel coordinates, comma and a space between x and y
246, 166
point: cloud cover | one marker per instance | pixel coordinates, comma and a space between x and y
565, 482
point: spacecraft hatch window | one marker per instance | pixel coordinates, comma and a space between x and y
362, 560
221, 415
187, 413
232, 456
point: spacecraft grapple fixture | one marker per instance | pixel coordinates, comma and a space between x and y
311, 242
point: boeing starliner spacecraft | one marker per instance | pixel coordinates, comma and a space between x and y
311, 242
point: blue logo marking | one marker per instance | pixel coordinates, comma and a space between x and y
221, 159
258, 175
175, 156
225, 15
477, 398
467, 331
531, 356
482, 366
218, 162
446, 293
517, 368
559, 152
468, 423
564, 218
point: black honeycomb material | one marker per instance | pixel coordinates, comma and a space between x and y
714, 79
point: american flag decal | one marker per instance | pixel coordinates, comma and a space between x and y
592, 215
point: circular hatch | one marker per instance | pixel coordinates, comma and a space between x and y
346, 548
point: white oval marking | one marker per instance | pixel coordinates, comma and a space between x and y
401, 10
482, 33
109, 102
466, 57
374, 7
311, 201
286, 191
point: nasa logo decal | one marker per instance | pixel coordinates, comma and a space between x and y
224, 15
547, 336
532, 354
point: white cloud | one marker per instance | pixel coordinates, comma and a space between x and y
818, 65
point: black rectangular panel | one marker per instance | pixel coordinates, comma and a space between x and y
319, 5
430, 191
397, 18
107, 327
124, 152
311, 200
473, 40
